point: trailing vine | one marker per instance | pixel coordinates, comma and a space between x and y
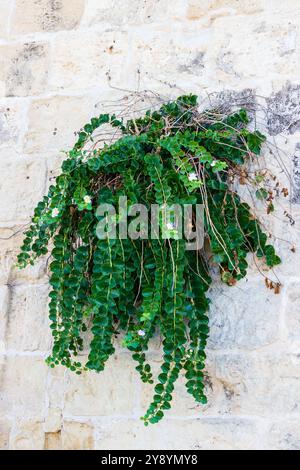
175, 155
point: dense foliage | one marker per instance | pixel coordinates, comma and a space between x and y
143, 286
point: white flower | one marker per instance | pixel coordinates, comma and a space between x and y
193, 176
87, 199
213, 163
170, 226
55, 212
141, 333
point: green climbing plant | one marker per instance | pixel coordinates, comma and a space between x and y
174, 155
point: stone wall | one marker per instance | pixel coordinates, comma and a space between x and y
61, 61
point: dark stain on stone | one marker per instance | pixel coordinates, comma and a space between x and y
52, 18
52, 440
290, 441
193, 66
19, 73
296, 176
283, 110
225, 62
207, 381
229, 393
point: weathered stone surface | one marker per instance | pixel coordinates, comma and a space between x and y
20, 195
52, 122
53, 441
112, 392
4, 304
132, 434
12, 118
46, 15
5, 9
284, 435
55, 388
284, 110
23, 69
10, 242
4, 434
198, 9
105, 55
28, 324
77, 436
232, 46
206, 433
53, 421
292, 309
165, 58
261, 384
23, 386
28, 435
119, 12
245, 316
287, 244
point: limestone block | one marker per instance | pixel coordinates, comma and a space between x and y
205, 433
292, 309
232, 46
77, 436
23, 386
243, 316
53, 121
23, 69
263, 385
109, 393
104, 54
28, 325
5, 427
20, 194
284, 435
28, 435
119, 12
164, 56
46, 15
